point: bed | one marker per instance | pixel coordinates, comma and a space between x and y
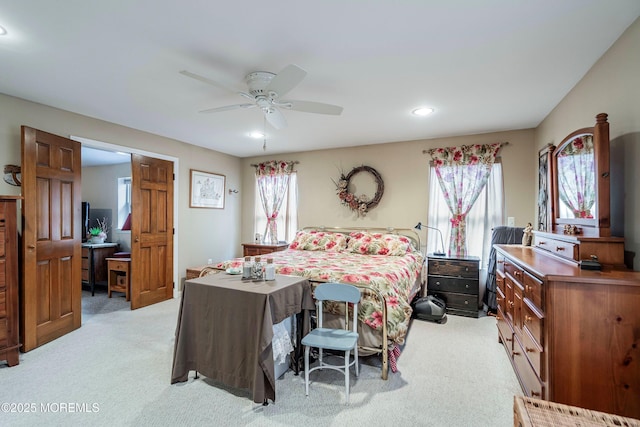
385, 263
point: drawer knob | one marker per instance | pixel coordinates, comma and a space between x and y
438, 283
466, 286
559, 248
527, 288
542, 242
466, 303
466, 269
528, 319
535, 393
530, 350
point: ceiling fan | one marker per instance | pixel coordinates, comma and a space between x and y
266, 90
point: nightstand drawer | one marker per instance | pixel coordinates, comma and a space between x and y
452, 284
457, 303
453, 267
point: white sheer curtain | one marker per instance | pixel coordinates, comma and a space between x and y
486, 213
287, 220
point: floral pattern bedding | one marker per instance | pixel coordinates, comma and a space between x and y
393, 276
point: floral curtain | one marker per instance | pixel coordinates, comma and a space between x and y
272, 178
576, 175
462, 174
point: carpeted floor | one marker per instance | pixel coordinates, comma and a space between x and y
115, 370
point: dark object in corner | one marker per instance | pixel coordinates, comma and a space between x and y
586, 264
429, 308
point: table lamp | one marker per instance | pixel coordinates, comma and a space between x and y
436, 253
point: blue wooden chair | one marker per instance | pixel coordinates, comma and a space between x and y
334, 339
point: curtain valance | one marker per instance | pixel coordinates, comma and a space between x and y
274, 167
465, 154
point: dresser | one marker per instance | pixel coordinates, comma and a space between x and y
9, 315
94, 263
455, 281
572, 335
256, 249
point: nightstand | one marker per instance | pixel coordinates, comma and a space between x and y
255, 249
456, 281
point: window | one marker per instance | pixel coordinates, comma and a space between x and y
124, 200
287, 218
486, 213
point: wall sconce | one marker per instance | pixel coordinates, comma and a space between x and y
233, 191
12, 175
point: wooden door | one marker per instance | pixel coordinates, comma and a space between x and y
51, 288
151, 231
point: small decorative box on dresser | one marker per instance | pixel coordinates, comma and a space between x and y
455, 280
255, 249
9, 344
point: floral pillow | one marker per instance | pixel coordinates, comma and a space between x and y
378, 244
319, 241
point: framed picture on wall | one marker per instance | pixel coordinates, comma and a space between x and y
545, 189
206, 190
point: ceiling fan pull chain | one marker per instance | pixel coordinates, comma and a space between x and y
264, 132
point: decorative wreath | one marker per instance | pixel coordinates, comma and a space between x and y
361, 204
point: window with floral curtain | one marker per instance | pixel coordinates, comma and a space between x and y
287, 221
487, 212
274, 195
462, 173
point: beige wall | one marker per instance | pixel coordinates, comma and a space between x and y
612, 86
201, 233
404, 170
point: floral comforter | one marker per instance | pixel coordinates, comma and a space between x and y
393, 276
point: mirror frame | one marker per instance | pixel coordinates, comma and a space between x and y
599, 226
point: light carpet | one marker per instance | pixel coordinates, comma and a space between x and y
115, 370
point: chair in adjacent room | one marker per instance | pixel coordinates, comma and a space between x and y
345, 340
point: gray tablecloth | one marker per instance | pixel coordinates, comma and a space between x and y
225, 328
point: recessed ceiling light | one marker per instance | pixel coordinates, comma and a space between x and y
256, 134
2, 31
422, 111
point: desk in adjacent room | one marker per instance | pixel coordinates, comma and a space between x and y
223, 320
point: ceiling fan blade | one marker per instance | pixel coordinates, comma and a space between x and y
215, 83
275, 118
226, 108
286, 80
312, 107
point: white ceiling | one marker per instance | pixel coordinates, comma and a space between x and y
484, 66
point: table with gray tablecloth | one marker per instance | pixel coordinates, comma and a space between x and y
225, 329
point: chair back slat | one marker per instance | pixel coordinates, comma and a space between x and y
340, 292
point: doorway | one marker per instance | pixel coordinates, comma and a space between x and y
110, 163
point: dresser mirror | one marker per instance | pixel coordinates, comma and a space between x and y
581, 181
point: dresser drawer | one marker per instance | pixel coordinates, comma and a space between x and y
2, 241
531, 384
3, 303
501, 299
455, 268
534, 353
85, 252
452, 284
505, 332
3, 273
533, 322
533, 290
561, 248
4, 332
514, 271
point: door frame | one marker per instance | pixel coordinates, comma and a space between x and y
176, 163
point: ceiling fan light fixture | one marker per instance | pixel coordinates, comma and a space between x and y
255, 134
3, 31
422, 111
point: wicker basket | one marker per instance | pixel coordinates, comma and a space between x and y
528, 412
